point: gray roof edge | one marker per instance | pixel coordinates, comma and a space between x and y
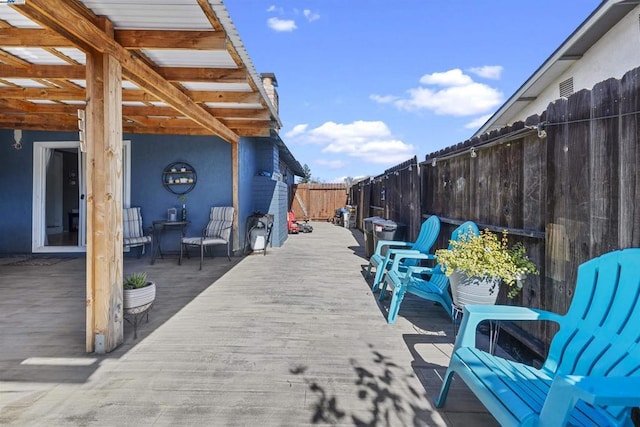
232, 32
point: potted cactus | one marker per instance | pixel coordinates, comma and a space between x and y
138, 292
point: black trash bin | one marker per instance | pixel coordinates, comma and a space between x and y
386, 229
369, 247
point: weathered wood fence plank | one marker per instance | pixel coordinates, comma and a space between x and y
569, 195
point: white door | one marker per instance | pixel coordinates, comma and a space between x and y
59, 195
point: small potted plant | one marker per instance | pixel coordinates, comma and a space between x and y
477, 264
138, 292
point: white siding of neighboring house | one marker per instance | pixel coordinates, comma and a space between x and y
617, 52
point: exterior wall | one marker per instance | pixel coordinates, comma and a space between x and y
16, 188
271, 195
267, 157
150, 154
210, 157
248, 168
617, 52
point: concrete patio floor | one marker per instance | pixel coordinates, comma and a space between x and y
288, 339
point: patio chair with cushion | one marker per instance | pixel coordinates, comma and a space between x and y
132, 234
217, 232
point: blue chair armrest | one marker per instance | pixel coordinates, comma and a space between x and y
397, 243
474, 314
610, 391
412, 270
567, 390
402, 255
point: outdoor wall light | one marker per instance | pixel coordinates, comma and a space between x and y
433, 162
473, 153
17, 138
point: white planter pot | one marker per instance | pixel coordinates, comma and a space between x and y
139, 299
473, 290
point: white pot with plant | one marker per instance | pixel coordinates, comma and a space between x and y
478, 264
138, 293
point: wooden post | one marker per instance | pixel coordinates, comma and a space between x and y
235, 156
104, 203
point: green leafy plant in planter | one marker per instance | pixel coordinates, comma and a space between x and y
487, 256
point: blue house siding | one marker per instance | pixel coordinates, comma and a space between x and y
210, 157
270, 195
16, 188
247, 169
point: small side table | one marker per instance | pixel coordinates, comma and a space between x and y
159, 228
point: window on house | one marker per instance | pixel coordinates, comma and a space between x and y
566, 88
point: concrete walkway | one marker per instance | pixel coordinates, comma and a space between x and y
292, 338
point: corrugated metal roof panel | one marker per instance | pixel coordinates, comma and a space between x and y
191, 58
231, 105
25, 83
35, 56
223, 87
165, 15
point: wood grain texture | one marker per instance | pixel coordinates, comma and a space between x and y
104, 202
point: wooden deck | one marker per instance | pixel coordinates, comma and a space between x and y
288, 339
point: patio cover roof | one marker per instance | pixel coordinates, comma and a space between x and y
185, 69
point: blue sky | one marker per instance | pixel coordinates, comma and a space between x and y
367, 84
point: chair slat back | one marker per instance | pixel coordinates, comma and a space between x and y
428, 234
600, 329
220, 222
131, 223
461, 232
464, 229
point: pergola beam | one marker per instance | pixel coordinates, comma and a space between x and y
77, 72
129, 39
131, 95
67, 20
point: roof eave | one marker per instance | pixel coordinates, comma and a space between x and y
601, 20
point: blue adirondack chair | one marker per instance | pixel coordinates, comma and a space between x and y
411, 279
426, 238
592, 373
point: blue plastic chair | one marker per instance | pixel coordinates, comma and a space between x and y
410, 279
592, 372
426, 238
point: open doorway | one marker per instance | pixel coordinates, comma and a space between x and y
59, 202
62, 198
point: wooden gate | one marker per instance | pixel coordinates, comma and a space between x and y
318, 202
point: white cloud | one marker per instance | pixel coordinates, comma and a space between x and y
455, 93
368, 141
453, 77
476, 123
271, 8
297, 130
311, 16
386, 99
278, 24
493, 72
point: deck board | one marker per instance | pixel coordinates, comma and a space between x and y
291, 338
